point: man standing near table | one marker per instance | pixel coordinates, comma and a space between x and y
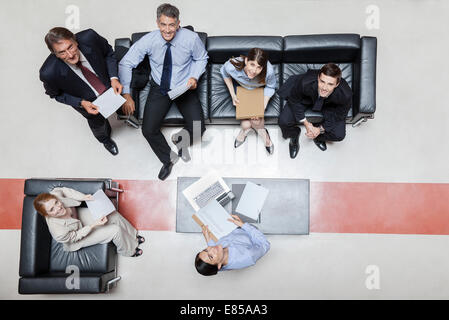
177, 57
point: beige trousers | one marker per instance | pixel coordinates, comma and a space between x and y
117, 229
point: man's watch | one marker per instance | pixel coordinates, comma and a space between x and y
321, 130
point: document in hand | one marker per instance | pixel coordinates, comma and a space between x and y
176, 92
252, 200
108, 102
215, 217
250, 103
101, 206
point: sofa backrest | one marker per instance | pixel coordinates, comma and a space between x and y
305, 52
289, 55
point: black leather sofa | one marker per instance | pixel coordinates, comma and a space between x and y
289, 55
43, 262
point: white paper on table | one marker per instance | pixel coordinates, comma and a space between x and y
108, 102
252, 200
176, 92
100, 206
216, 218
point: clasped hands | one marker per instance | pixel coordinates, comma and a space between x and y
311, 131
93, 109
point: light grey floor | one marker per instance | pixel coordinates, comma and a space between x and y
406, 142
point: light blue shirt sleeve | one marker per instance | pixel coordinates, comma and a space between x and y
199, 58
270, 82
132, 58
224, 71
260, 244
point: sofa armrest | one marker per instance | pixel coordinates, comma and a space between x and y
367, 99
34, 243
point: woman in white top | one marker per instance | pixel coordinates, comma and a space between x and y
251, 71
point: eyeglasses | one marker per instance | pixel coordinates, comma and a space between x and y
71, 49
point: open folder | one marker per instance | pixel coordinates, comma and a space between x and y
215, 217
250, 103
108, 102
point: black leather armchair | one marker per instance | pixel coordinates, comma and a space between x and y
289, 55
43, 262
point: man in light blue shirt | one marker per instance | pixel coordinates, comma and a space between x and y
239, 249
177, 57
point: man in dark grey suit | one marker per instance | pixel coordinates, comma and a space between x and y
79, 69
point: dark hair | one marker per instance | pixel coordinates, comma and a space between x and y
57, 34
167, 10
39, 203
205, 268
331, 70
255, 54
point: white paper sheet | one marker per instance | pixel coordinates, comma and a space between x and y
216, 218
101, 206
252, 200
108, 102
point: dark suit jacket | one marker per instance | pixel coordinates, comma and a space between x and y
64, 85
301, 91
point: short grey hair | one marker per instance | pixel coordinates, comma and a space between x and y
167, 10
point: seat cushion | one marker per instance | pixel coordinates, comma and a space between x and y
99, 258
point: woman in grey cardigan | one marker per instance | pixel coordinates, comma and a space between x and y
73, 226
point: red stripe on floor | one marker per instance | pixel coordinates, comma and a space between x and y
401, 208
339, 207
149, 205
11, 203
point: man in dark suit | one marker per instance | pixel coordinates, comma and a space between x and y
322, 90
79, 69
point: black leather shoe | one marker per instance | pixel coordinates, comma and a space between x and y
269, 149
111, 147
294, 147
320, 144
165, 171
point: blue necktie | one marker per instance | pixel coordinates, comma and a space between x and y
166, 71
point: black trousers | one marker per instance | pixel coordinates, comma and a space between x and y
289, 127
157, 107
99, 126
